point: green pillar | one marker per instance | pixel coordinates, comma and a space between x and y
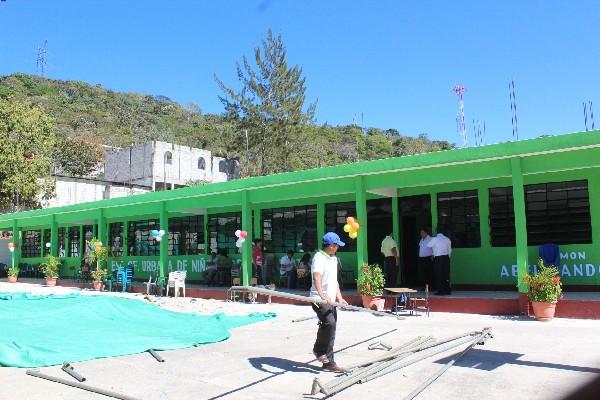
16, 255
362, 255
320, 223
434, 213
520, 222
54, 237
247, 246
207, 249
164, 243
258, 233
396, 229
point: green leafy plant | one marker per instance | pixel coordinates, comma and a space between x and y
371, 281
97, 254
51, 266
99, 274
545, 285
13, 271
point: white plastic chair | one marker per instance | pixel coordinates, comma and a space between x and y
151, 284
180, 282
171, 283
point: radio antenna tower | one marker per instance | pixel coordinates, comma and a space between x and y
513, 110
461, 127
41, 60
587, 107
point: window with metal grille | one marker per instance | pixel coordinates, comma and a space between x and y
221, 228
558, 213
62, 245
116, 239
290, 228
502, 217
186, 235
47, 237
458, 217
74, 241
140, 241
335, 219
32, 245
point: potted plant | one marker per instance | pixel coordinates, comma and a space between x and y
98, 253
370, 285
545, 289
50, 269
13, 273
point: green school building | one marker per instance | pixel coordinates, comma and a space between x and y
497, 203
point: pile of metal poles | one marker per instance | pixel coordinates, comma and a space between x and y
413, 351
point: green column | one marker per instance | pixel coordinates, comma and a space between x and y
434, 212
101, 234
53, 237
164, 243
247, 246
396, 228
320, 223
362, 255
520, 222
16, 255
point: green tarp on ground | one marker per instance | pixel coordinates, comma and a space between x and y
38, 331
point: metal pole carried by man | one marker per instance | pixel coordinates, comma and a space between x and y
325, 286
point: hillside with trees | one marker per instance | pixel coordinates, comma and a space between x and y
266, 122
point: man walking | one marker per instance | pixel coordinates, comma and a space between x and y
391, 260
426, 259
325, 286
442, 249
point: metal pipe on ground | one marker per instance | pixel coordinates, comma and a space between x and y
338, 384
306, 299
419, 357
69, 369
89, 388
155, 355
304, 319
482, 338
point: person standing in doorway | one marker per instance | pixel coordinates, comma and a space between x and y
426, 258
325, 286
442, 250
391, 260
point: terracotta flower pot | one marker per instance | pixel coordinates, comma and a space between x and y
373, 302
544, 311
97, 285
12, 279
50, 281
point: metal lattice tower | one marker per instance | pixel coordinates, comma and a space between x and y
513, 110
461, 127
587, 108
41, 60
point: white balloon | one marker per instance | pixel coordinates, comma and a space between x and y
161, 233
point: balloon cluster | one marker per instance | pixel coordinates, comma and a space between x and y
157, 235
351, 227
11, 247
241, 235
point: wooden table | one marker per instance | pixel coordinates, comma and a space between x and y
399, 292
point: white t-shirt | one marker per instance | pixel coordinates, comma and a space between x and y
424, 250
326, 265
286, 264
440, 245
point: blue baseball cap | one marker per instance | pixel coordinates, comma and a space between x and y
332, 238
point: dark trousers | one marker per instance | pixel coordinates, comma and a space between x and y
441, 266
326, 334
426, 268
258, 274
391, 271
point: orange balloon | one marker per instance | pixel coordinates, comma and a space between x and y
355, 226
350, 220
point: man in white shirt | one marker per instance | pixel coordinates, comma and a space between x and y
391, 260
287, 267
426, 259
325, 286
442, 250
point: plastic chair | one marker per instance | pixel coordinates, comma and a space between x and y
151, 284
180, 282
177, 282
425, 300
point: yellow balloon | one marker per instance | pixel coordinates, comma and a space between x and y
347, 228
353, 235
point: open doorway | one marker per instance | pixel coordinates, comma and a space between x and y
415, 214
380, 222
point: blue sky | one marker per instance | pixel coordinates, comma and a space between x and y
394, 62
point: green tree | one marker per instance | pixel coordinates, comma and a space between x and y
27, 137
78, 156
269, 106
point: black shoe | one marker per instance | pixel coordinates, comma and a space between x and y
333, 367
